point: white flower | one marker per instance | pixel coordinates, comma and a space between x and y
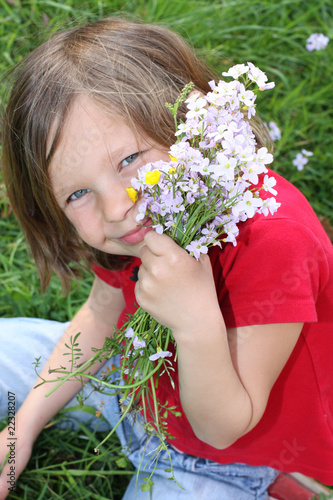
247, 204
246, 154
267, 86
268, 184
201, 166
158, 228
263, 156
196, 105
236, 71
317, 41
251, 171
142, 211
306, 153
160, 354
300, 161
231, 230
197, 247
231, 141
270, 205
247, 97
225, 167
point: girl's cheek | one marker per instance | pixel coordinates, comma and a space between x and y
80, 218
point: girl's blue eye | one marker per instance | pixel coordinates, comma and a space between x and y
78, 194
129, 159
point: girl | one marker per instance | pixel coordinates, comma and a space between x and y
254, 371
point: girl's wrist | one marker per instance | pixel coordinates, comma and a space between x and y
27, 427
199, 332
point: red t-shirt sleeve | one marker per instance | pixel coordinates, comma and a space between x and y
273, 275
112, 278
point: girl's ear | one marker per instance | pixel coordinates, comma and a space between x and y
194, 92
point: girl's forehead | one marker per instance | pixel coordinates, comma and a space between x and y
86, 118
88, 126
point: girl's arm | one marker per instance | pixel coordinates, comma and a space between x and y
225, 376
95, 321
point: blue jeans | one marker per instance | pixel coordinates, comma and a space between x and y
24, 339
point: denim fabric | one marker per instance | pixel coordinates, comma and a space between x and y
24, 339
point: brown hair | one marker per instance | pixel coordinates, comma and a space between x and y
132, 69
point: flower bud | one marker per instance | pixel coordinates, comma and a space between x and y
132, 193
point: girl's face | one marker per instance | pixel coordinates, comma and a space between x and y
94, 162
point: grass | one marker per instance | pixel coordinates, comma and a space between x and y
64, 466
272, 35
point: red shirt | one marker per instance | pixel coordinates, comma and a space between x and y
281, 271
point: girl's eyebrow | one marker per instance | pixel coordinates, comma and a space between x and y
62, 192
113, 154
121, 151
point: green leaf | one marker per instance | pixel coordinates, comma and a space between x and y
122, 462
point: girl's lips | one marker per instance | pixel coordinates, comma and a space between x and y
136, 235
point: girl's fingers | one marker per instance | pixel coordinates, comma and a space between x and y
159, 244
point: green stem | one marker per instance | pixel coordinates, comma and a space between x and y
129, 406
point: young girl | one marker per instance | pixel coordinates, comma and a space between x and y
253, 323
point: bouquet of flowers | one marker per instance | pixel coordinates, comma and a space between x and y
198, 198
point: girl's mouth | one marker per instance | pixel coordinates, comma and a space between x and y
135, 236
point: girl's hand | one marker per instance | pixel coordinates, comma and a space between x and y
19, 450
175, 288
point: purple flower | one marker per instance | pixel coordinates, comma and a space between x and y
274, 131
129, 333
197, 247
317, 41
173, 204
138, 344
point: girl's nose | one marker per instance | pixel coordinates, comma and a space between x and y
115, 202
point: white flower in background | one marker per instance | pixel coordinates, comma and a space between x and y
317, 41
301, 159
274, 131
